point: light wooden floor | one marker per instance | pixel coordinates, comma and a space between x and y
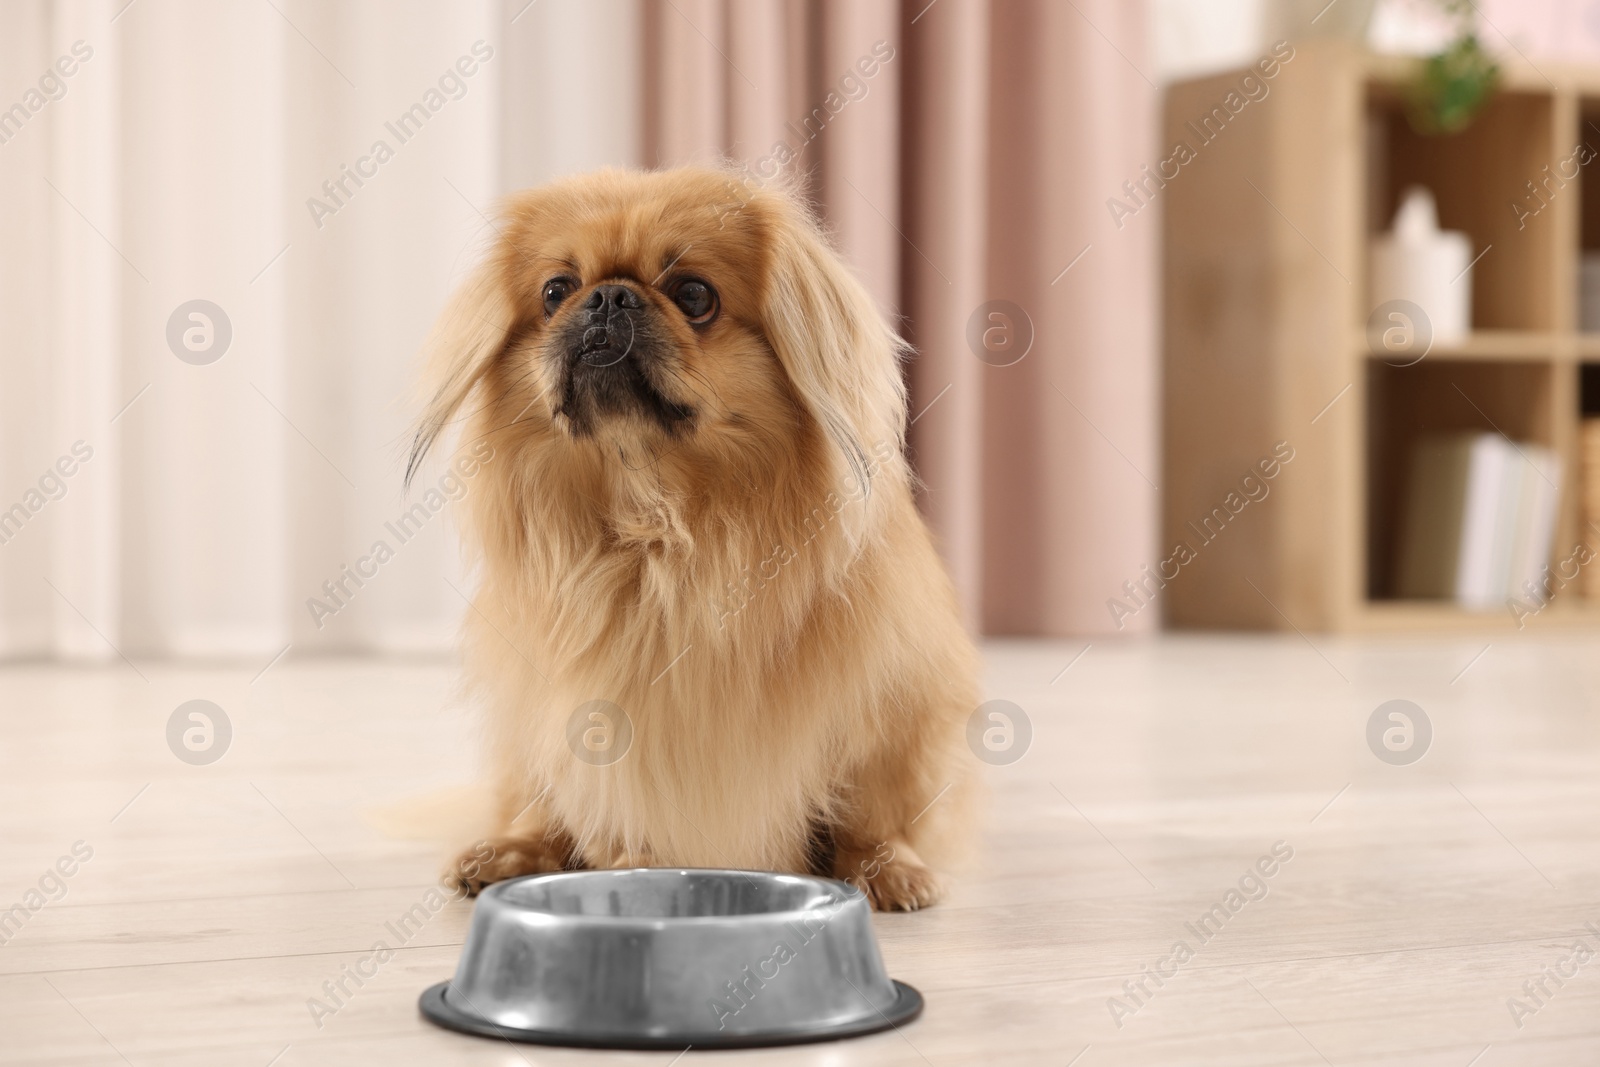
1418, 900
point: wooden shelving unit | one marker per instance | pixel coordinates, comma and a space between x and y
1265, 294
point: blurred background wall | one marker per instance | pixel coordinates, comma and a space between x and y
962, 152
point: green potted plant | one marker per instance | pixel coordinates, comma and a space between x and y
1455, 84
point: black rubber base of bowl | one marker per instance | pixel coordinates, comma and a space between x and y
436, 1008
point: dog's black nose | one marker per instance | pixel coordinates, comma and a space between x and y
612, 296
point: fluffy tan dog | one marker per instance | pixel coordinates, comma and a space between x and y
711, 628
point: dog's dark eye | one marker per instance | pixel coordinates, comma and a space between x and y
555, 291
697, 300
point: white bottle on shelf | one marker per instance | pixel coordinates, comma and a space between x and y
1430, 267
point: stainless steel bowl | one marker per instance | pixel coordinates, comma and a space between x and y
662, 958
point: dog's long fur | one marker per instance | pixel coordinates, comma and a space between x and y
753, 585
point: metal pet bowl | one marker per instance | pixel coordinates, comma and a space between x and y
663, 959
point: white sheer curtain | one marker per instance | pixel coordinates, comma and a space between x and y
152, 505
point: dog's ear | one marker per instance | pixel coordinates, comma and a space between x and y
839, 353
471, 332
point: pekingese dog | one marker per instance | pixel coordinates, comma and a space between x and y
711, 629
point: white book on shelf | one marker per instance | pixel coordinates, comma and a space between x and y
1510, 522
1539, 507
1488, 522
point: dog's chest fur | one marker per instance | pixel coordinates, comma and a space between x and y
732, 732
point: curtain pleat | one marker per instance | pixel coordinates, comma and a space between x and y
1070, 433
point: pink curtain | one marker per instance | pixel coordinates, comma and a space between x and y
963, 153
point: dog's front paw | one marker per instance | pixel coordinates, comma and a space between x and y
893, 879
497, 859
